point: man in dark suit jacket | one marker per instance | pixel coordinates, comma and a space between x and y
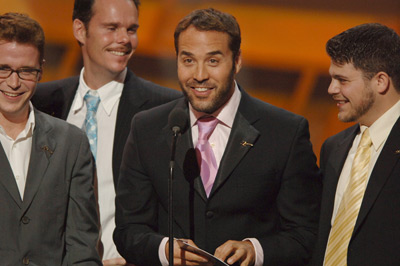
47, 202
106, 32
263, 205
365, 72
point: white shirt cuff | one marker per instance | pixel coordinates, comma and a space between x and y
259, 251
256, 244
161, 252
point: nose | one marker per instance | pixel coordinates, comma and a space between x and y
122, 36
13, 81
333, 87
201, 73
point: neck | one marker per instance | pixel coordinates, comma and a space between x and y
97, 79
380, 107
13, 125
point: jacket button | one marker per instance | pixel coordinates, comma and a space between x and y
25, 220
25, 261
209, 214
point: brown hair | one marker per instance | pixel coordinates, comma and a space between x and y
83, 10
22, 29
371, 48
212, 20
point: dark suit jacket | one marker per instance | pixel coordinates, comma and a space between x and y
56, 222
268, 191
56, 97
376, 236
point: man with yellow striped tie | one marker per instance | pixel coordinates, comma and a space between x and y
360, 214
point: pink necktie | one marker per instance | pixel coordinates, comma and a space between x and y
205, 155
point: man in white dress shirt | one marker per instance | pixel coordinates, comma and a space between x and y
360, 212
107, 33
47, 202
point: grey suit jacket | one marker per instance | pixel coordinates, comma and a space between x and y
376, 236
268, 191
56, 97
56, 223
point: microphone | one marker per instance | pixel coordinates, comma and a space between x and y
178, 121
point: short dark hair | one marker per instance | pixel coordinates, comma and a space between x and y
211, 20
371, 48
83, 10
24, 30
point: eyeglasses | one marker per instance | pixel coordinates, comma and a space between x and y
23, 73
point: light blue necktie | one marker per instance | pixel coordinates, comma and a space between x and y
92, 103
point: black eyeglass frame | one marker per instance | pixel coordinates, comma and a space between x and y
34, 71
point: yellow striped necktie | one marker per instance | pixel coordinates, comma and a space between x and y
343, 226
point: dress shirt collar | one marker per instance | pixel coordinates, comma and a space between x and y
226, 115
29, 127
380, 129
109, 93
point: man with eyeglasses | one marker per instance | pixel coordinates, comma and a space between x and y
48, 211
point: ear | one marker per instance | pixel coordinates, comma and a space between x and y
41, 72
383, 82
79, 30
238, 62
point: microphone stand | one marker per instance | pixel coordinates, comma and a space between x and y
170, 196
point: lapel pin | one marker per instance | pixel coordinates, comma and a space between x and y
47, 149
245, 143
397, 152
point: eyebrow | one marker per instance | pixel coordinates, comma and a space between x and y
22, 67
186, 53
116, 24
336, 76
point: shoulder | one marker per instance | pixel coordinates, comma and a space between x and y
339, 137
158, 113
50, 86
135, 84
267, 114
57, 127
50, 96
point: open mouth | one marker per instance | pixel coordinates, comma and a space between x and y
11, 94
201, 89
120, 53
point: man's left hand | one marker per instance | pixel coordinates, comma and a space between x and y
236, 251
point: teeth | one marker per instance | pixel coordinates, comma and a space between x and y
117, 53
11, 94
201, 89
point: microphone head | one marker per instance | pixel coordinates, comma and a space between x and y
178, 120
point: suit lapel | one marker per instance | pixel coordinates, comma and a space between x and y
185, 155
242, 136
7, 178
42, 149
66, 98
338, 156
242, 132
130, 103
387, 159
332, 171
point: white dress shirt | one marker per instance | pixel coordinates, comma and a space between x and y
106, 115
18, 151
218, 141
379, 132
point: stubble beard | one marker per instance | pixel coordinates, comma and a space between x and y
210, 106
360, 110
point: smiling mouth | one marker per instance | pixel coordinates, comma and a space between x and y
201, 89
9, 94
120, 53
340, 101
